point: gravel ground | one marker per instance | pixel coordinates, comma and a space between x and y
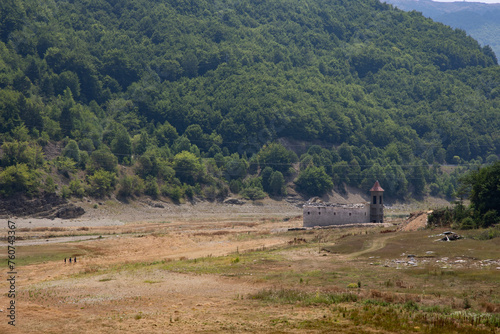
115, 213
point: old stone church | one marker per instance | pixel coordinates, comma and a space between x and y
325, 214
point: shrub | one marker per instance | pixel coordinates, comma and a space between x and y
65, 166
487, 234
235, 168
175, 192
189, 191
50, 185
490, 218
235, 186
223, 191
86, 145
467, 223
103, 159
76, 188
19, 152
277, 184
441, 217
483, 190
435, 189
265, 176
19, 178
165, 171
72, 151
210, 193
411, 306
121, 144
130, 185
65, 192
102, 183
84, 159
151, 187
187, 167
253, 193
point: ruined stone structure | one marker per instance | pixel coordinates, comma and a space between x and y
325, 214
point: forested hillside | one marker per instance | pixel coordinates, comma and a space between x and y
187, 98
479, 20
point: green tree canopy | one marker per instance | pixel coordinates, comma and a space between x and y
71, 150
103, 159
277, 157
314, 181
277, 184
19, 178
187, 167
483, 186
101, 183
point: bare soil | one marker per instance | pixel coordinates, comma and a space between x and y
417, 221
75, 298
194, 269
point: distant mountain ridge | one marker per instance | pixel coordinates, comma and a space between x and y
479, 20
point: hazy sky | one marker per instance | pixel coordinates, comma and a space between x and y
484, 1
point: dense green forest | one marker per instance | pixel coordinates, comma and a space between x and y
481, 186
187, 98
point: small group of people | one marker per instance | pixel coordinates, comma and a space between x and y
70, 260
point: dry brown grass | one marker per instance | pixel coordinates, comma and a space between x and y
202, 284
57, 229
204, 234
40, 229
490, 307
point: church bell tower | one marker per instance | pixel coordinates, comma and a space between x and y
377, 204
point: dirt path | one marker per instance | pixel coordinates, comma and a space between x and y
376, 244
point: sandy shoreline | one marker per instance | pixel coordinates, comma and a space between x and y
114, 213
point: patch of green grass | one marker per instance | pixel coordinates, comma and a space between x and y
407, 318
468, 275
283, 320
484, 234
349, 244
105, 279
421, 242
291, 296
402, 317
252, 235
316, 324
376, 302
34, 259
223, 265
227, 265
284, 275
27, 255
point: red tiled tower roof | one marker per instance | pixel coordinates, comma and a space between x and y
376, 187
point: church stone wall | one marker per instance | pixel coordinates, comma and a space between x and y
325, 215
